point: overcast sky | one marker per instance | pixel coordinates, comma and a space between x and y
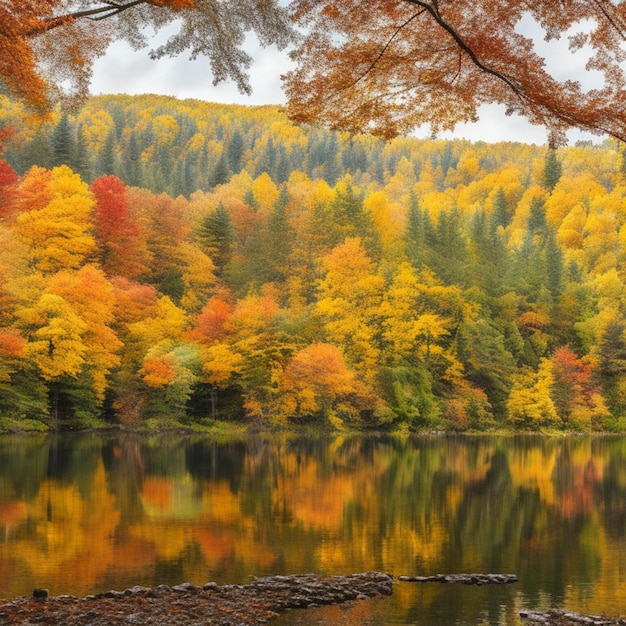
123, 70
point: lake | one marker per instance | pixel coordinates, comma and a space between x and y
87, 513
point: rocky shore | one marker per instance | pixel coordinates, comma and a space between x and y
256, 602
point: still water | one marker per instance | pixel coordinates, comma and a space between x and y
87, 513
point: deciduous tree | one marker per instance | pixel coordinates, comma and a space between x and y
56, 226
69, 35
400, 63
122, 250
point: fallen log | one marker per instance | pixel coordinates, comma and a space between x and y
465, 579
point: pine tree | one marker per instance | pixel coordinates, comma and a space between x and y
537, 218
414, 237
132, 175
552, 170
217, 237
106, 159
63, 148
554, 264
500, 215
278, 239
38, 151
235, 152
82, 161
221, 173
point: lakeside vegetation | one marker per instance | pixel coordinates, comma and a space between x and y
180, 261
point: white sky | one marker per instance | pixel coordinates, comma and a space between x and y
122, 70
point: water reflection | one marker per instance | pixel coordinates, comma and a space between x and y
88, 513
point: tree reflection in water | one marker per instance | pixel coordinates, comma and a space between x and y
86, 513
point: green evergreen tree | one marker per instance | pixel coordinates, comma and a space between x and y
537, 219
500, 216
450, 255
105, 164
132, 175
554, 264
283, 167
221, 174
235, 152
350, 217
63, 148
38, 151
82, 157
278, 239
415, 238
217, 237
491, 259
552, 169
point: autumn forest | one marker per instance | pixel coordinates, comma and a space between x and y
168, 261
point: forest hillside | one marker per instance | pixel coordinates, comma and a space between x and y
168, 260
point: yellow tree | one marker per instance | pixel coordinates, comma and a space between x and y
55, 223
255, 334
157, 369
92, 299
530, 403
350, 294
413, 326
56, 346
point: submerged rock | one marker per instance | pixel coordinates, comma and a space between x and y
560, 617
465, 579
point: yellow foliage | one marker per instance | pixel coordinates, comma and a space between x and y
265, 192
530, 402
55, 337
58, 235
220, 363
165, 129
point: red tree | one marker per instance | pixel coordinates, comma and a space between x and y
116, 230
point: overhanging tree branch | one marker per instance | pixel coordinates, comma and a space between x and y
434, 12
558, 113
97, 13
385, 47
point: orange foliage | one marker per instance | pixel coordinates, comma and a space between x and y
156, 492
47, 47
11, 342
400, 64
17, 58
158, 371
211, 320
134, 301
531, 321
8, 187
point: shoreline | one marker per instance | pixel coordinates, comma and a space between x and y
256, 602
